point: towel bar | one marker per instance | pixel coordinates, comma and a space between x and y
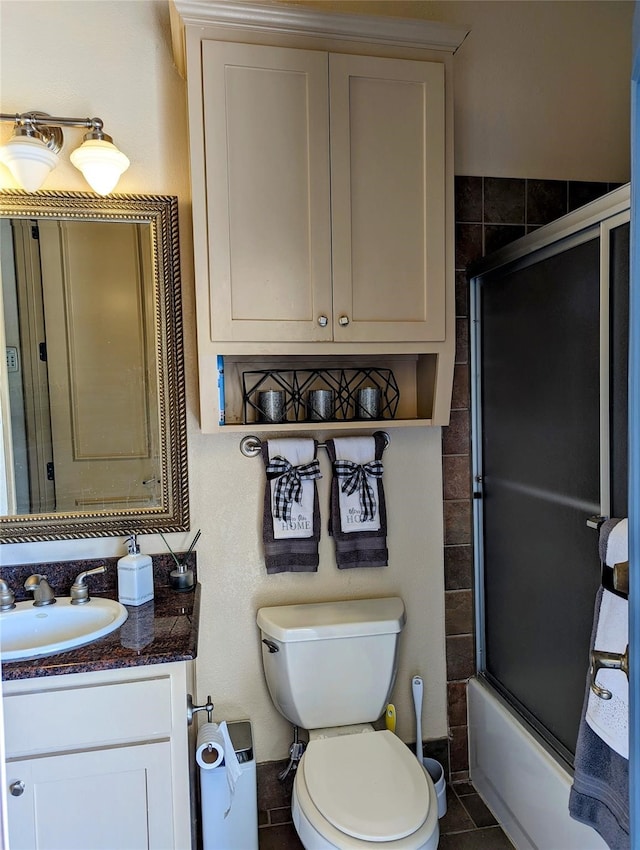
621, 578
610, 660
614, 578
250, 445
596, 521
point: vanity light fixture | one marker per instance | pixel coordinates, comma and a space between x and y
32, 152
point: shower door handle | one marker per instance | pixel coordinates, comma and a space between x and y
610, 661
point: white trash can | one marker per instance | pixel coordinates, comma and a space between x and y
239, 829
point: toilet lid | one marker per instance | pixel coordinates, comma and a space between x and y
369, 786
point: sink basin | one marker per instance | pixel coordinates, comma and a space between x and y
30, 632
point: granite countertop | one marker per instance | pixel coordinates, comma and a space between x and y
162, 630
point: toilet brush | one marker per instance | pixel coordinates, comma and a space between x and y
417, 687
433, 767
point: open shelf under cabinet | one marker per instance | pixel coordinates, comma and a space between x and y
413, 378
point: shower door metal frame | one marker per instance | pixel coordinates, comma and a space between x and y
595, 220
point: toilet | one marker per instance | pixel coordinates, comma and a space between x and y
330, 667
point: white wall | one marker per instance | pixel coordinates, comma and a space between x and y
112, 58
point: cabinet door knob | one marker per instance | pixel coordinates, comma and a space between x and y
17, 788
343, 320
323, 321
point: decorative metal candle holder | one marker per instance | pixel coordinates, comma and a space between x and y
319, 395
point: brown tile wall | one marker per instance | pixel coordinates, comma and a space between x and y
490, 212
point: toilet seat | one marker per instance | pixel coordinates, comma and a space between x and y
364, 791
377, 790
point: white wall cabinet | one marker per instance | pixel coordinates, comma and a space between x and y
325, 188
321, 159
96, 761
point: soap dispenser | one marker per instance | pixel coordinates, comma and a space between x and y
135, 575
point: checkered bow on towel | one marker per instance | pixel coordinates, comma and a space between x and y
354, 477
288, 487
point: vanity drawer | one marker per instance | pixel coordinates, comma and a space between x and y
72, 718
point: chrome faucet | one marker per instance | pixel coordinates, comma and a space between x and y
7, 597
79, 590
41, 589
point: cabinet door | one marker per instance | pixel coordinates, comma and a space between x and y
388, 199
267, 182
100, 800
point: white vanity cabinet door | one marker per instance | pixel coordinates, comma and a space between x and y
266, 148
103, 759
388, 199
95, 800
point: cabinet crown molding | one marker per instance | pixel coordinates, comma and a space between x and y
296, 20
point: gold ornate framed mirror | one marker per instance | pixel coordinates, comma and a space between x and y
92, 394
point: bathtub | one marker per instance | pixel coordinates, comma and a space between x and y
526, 788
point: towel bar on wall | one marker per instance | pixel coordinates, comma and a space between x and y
250, 445
608, 660
614, 578
596, 521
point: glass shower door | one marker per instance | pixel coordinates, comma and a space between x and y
538, 440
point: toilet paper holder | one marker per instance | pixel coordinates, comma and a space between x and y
194, 709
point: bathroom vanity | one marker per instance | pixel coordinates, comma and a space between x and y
97, 742
101, 754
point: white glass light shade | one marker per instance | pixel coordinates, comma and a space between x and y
29, 160
101, 164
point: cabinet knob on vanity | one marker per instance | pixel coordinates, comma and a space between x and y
343, 320
323, 321
17, 788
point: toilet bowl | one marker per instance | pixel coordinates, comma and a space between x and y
359, 791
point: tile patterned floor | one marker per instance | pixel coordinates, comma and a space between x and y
467, 825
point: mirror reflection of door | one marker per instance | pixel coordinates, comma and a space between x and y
99, 352
30, 451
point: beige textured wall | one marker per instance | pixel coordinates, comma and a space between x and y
112, 58
541, 86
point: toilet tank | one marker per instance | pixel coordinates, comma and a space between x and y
331, 663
